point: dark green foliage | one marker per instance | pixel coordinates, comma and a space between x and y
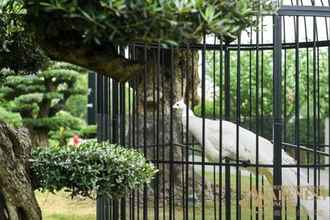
40, 99
212, 110
21, 54
92, 169
88, 132
247, 80
76, 104
61, 119
73, 30
248, 107
168, 22
18, 49
42, 95
11, 118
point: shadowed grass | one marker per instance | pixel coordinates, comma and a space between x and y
62, 207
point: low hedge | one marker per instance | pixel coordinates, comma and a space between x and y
93, 169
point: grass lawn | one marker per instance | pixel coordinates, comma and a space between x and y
62, 207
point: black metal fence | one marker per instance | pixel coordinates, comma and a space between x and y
266, 92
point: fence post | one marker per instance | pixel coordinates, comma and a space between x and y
227, 81
115, 137
277, 114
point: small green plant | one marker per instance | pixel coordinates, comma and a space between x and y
93, 169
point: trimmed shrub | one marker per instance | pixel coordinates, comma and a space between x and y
93, 169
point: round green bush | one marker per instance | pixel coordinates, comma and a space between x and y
91, 170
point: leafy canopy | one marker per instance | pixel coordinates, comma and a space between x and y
166, 21
18, 48
87, 33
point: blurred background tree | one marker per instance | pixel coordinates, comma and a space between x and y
40, 100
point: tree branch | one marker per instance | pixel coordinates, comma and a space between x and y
103, 62
59, 38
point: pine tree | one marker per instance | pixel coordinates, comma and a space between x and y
40, 98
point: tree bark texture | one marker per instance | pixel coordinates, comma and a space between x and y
16, 191
39, 137
156, 129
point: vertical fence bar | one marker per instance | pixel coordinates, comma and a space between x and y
277, 80
163, 137
203, 125
171, 193
257, 72
238, 121
107, 108
122, 105
122, 140
308, 132
193, 152
220, 126
99, 94
285, 89
184, 195
327, 142
250, 114
115, 134
297, 112
157, 178
227, 190
314, 117
91, 106
318, 123
130, 132
186, 214
154, 125
227, 81
262, 112
134, 122
145, 150
285, 104
214, 118
115, 113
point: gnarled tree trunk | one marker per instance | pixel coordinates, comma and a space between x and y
157, 89
39, 137
16, 191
